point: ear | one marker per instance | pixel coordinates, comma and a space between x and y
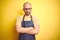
23, 9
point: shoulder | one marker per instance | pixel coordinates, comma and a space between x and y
19, 17
34, 18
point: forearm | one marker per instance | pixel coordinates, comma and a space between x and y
29, 30
23, 30
33, 31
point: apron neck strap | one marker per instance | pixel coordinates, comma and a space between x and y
30, 17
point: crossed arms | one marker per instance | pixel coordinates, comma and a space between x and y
29, 30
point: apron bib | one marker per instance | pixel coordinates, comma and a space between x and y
24, 36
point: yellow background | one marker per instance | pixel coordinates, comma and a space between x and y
47, 11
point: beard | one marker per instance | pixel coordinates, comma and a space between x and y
27, 13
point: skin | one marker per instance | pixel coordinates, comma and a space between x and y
27, 8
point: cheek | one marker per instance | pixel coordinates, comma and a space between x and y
24, 10
29, 10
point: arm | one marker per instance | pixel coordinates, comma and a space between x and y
19, 28
36, 27
22, 30
33, 31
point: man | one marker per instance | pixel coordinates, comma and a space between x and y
27, 25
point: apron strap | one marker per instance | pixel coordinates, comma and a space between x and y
30, 17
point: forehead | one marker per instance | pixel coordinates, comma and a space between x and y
27, 5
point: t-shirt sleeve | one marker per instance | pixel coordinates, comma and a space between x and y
36, 20
18, 21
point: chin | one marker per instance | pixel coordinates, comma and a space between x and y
27, 14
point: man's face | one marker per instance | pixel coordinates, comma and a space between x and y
27, 9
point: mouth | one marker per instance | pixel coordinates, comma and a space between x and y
27, 13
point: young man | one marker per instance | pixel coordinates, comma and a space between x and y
27, 25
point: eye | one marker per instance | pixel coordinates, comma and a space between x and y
27, 8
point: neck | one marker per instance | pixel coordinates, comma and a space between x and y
27, 15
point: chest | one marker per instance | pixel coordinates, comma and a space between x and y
27, 24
